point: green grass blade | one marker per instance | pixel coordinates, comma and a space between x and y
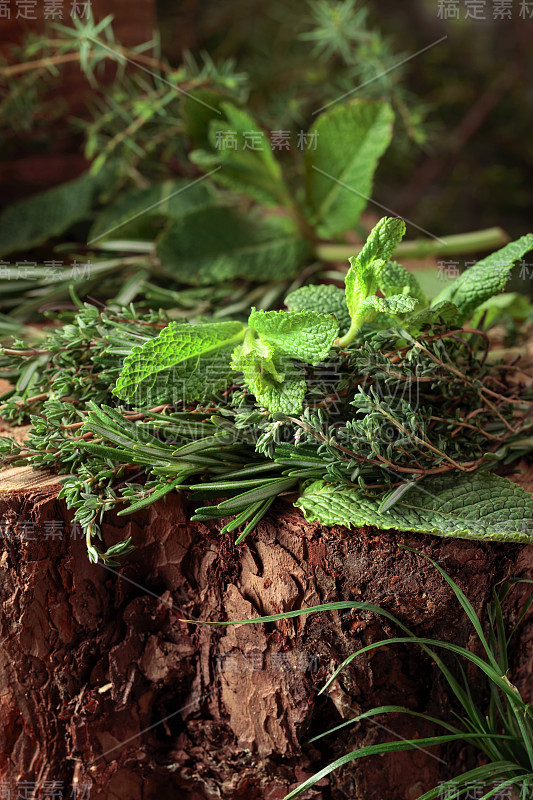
520, 779
491, 673
463, 782
387, 710
340, 605
465, 602
377, 749
526, 730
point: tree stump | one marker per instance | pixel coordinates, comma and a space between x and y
106, 693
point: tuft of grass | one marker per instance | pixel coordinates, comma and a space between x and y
502, 731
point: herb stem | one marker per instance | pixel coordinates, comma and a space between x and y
456, 244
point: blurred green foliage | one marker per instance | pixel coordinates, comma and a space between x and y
466, 103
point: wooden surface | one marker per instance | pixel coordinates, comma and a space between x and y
25, 479
102, 683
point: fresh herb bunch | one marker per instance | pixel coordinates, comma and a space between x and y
345, 425
501, 730
346, 51
180, 193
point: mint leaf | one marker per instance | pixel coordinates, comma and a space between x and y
474, 506
183, 364
485, 278
197, 117
272, 378
370, 307
134, 213
382, 240
502, 307
350, 139
273, 339
324, 299
243, 151
394, 279
362, 277
278, 398
443, 313
361, 282
304, 335
259, 356
398, 304
30, 222
214, 245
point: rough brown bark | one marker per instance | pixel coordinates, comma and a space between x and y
102, 684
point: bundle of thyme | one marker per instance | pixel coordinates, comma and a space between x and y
361, 408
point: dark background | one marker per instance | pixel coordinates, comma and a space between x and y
472, 169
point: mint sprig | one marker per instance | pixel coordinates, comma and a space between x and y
372, 270
273, 340
272, 380
185, 363
486, 278
188, 363
305, 335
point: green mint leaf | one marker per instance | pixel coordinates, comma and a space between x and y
278, 398
485, 278
394, 279
272, 378
443, 313
474, 506
219, 244
361, 283
382, 240
134, 213
350, 139
502, 308
362, 277
197, 117
304, 335
398, 304
243, 151
392, 306
259, 356
30, 222
183, 364
324, 299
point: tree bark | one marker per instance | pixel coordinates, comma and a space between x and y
104, 688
